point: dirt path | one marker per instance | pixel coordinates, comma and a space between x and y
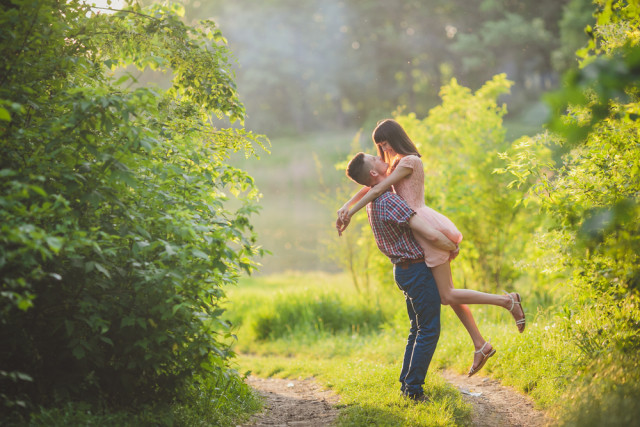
495, 404
303, 402
300, 402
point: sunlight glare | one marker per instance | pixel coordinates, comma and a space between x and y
102, 6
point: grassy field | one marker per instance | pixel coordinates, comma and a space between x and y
316, 324
301, 317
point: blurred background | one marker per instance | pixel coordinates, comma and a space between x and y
316, 75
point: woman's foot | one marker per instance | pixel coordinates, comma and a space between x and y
481, 356
515, 307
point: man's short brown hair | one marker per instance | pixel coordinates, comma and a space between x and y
358, 170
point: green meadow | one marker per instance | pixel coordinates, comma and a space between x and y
317, 325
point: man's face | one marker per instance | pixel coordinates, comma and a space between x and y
377, 164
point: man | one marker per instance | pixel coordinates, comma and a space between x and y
393, 223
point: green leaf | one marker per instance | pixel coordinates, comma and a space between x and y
24, 304
78, 352
69, 326
198, 253
169, 249
38, 190
142, 323
127, 321
102, 270
4, 114
24, 377
54, 243
106, 340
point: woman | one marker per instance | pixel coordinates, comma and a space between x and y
406, 175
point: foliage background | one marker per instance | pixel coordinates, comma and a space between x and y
128, 184
323, 65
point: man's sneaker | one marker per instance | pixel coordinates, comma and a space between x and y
418, 398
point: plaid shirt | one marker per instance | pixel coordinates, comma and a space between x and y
389, 217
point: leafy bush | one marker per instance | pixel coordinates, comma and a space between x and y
115, 239
222, 399
591, 191
355, 251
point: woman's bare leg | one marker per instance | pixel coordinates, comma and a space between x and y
451, 296
444, 281
464, 314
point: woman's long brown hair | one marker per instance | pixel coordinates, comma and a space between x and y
389, 130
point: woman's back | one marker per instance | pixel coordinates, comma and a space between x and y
411, 188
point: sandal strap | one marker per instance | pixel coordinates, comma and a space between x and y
513, 300
482, 348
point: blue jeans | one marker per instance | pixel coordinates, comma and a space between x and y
423, 306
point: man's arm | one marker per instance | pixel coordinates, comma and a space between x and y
420, 227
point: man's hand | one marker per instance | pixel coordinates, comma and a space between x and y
341, 225
343, 214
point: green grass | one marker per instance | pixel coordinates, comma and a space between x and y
369, 390
539, 362
310, 307
362, 364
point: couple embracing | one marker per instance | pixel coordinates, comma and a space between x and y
421, 243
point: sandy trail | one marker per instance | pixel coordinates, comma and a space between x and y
302, 402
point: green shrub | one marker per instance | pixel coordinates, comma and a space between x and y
591, 191
115, 239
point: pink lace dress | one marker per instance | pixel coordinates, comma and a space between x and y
411, 189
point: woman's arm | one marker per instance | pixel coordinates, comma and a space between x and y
396, 176
342, 212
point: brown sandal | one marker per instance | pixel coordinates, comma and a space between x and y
485, 357
520, 323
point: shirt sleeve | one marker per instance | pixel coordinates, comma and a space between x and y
397, 211
412, 162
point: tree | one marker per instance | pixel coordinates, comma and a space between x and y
115, 239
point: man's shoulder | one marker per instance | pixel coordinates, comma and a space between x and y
389, 197
380, 201
389, 202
